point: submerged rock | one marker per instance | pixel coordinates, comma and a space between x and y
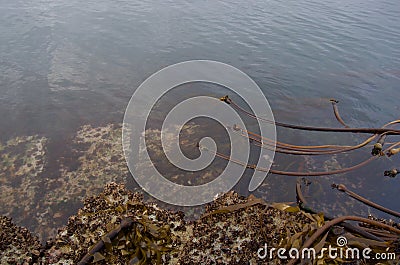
231, 231
50, 193
22, 162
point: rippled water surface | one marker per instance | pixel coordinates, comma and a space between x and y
64, 64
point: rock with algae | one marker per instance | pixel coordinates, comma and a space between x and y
48, 196
233, 228
227, 237
231, 231
99, 161
102, 214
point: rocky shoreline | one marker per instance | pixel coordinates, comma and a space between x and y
231, 237
116, 225
231, 231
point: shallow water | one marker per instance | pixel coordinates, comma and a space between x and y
64, 64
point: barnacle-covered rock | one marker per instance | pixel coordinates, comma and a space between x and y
234, 228
231, 231
118, 227
102, 214
17, 244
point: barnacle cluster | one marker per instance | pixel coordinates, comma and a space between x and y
17, 244
148, 238
233, 228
